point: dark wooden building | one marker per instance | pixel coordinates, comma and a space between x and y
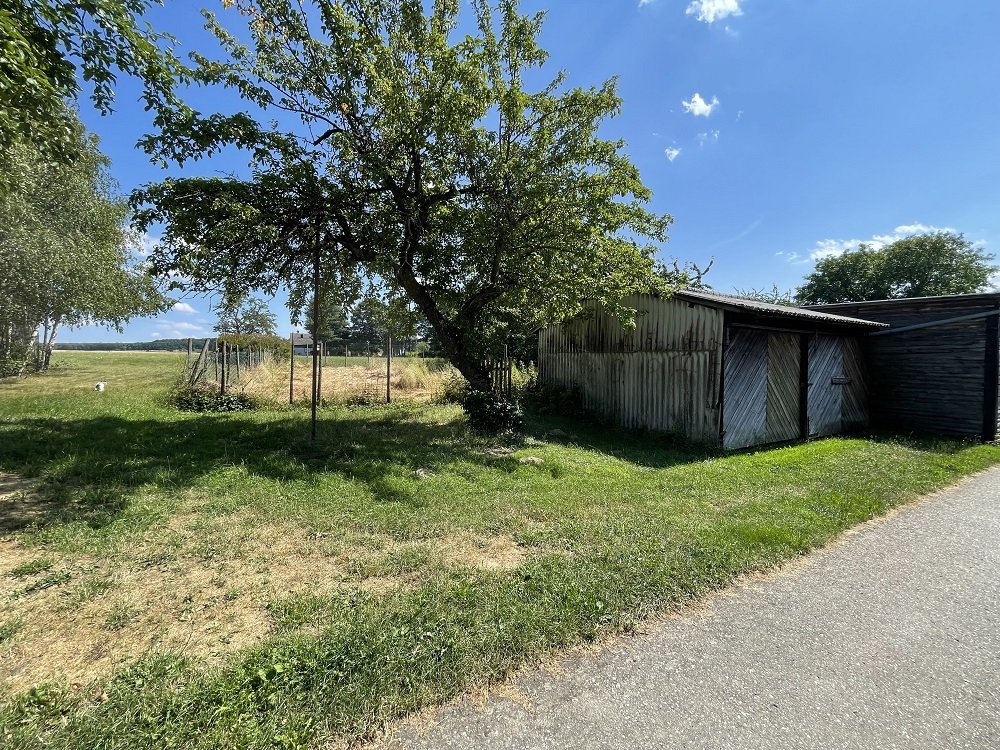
715, 368
935, 369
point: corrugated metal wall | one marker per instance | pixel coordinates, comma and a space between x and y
662, 375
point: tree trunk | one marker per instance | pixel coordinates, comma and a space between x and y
50, 339
453, 338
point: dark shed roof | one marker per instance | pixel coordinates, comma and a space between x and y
740, 304
945, 299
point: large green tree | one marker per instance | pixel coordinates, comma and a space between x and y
923, 265
426, 162
246, 316
64, 251
48, 46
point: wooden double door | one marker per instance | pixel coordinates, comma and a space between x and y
767, 386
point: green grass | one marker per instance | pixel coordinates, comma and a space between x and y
417, 585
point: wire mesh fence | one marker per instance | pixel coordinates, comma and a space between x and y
264, 375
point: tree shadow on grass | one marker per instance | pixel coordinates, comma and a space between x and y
91, 467
649, 449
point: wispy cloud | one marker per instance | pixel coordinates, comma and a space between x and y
699, 107
830, 248
182, 326
737, 237
143, 243
711, 11
672, 153
156, 334
703, 138
184, 307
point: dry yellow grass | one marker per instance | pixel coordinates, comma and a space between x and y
202, 588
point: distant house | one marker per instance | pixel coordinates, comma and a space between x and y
301, 343
935, 369
716, 368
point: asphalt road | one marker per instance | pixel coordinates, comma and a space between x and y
888, 639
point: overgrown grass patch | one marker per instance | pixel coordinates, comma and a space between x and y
263, 591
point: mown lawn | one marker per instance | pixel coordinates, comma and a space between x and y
181, 580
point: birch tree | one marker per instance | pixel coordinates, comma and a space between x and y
65, 256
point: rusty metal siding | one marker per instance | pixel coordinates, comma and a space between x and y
825, 399
744, 421
664, 374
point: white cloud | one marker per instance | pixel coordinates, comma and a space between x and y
699, 107
184, 307
142, 243
155, 335
672, 153
703, 138
830, 248
711, 11
186, 326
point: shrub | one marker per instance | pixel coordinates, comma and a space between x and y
554, 400
491, 412
453, 390
200, 399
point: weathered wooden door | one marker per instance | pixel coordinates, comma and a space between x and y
826, 382
783, 387
744, 397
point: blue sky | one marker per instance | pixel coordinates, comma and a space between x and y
773, 131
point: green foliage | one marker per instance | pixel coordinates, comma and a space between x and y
277, 346
202, 399
45, 48
924, 265
554, 399
424, 166
677, 275
64, 250
453, 390
492, 413
773, 296
245, 316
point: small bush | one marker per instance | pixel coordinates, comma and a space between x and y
491, 412
553, 400
453, 390
197, 399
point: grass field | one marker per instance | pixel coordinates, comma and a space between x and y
183, 580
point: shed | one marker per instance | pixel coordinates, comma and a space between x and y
714, 368
935, 369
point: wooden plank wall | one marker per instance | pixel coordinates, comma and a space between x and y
930, 380
665, 374
744, 421
783, 387
826, 397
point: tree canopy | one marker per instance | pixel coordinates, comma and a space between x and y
64, 250
48, 46
412, 160
923, 265
246, 316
